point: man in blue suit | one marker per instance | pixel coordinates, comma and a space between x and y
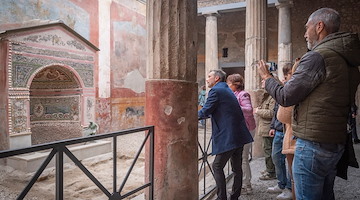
229, 132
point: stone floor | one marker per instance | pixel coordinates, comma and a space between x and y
344, 189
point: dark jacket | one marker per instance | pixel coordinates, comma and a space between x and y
322, 89
229, 129
275, 123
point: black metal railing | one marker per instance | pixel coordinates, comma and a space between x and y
208, 182
60, 147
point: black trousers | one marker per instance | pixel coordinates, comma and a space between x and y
352, 127
219, 163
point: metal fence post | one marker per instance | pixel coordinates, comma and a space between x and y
152, 157
59, 174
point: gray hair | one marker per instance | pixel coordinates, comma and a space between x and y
220, 73
329, 17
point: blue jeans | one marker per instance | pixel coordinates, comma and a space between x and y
279, 161
314, 169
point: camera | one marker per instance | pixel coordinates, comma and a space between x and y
272, 66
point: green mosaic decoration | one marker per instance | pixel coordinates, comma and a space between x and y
55, 108
24, 66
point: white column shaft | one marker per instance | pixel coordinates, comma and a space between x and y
211, 44
284, 37
255, 41
104, 46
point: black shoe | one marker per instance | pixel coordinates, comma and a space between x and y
356, 141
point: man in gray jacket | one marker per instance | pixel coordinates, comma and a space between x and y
322, 89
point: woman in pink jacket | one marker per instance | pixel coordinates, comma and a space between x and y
236, 84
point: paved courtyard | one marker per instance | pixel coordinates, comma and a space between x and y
344, 189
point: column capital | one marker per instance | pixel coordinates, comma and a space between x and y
209, 14
284, 3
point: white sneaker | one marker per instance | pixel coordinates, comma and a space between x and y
274, 189
285, 195
246, 190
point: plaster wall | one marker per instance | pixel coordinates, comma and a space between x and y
123, 68
348, 10
78, 15
128, 64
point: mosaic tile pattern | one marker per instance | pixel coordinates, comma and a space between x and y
55, 108
50, 52
19, 115
90, 108
24, 66
55, 77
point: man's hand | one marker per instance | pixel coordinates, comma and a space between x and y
272, 132
263, 70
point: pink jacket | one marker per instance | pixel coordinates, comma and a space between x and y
246, 107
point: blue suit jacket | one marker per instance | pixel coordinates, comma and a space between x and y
229, 130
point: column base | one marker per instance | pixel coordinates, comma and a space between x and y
171, 106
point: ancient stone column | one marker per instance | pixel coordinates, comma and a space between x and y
255, 50
255, 41
171, 96
104, 45
284, 35
211, 43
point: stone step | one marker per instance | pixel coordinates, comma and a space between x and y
32, 161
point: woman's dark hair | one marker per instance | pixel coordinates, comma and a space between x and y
237, 80
287, 69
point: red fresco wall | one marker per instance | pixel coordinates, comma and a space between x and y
92, 7
4, 132
128, 53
